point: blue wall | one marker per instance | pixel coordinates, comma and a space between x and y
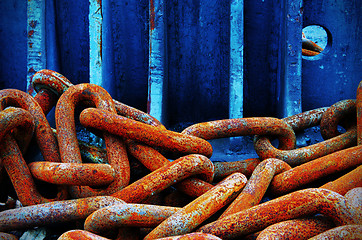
197, 61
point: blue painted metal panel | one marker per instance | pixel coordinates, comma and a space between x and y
334, 74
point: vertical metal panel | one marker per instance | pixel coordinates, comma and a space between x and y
36, 53
157, 76
95, 42
334, 74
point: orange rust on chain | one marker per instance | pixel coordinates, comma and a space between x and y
43, 132
257, 185
80, 234
334, 115
246, 167
192, 236
54, 212
138, 131
73, 173
302, 155
300, 228
12, 157
8, 236
244, 126
350, 232
359, 113
153, 159
68, 143
354, 197
293, 205
166, 176
197, 211
306, 119
127, 215
346, 182
316, 169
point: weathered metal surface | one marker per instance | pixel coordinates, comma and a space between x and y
80, 234
244, 126
256, 186
300, 228
166, 176
343, 184
8, 236
68, 143
354, 197
359, 113
197, 211
315, 169
127, 128
189, 236
246, 167
73, 173
293, 205
127, 215
352, 232
342, 110
54, 212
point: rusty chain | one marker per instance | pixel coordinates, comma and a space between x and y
185, 197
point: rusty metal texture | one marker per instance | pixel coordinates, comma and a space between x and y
351, 232
300, 228
12, 119
7, 236
293, 205
359, 113
127, 215
197, 211
166, 176
334, 115
80, 234
49, 85
316, 169
305, 119
153, 160
246, 167
68, 143
43, 132
346, 182
12, 158
244, 126
141, 132
194, 236
53, 212
354, 197
73, 173
296, 157
257, 185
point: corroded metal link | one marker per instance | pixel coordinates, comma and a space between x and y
244, 126
296, 204
246, 167
257, 185
17, 118
43, 132
346, 182
7, 236
12, 157
354, 197
194, 236
138, 131
73, 173
295, 157
342, 110
166, 176
130, 215
316, 169
54, 212
351, 232
68, 143
80, 234
300, 228
359, 113
197, 211
306, 119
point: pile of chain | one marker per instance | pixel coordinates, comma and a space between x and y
149, 182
